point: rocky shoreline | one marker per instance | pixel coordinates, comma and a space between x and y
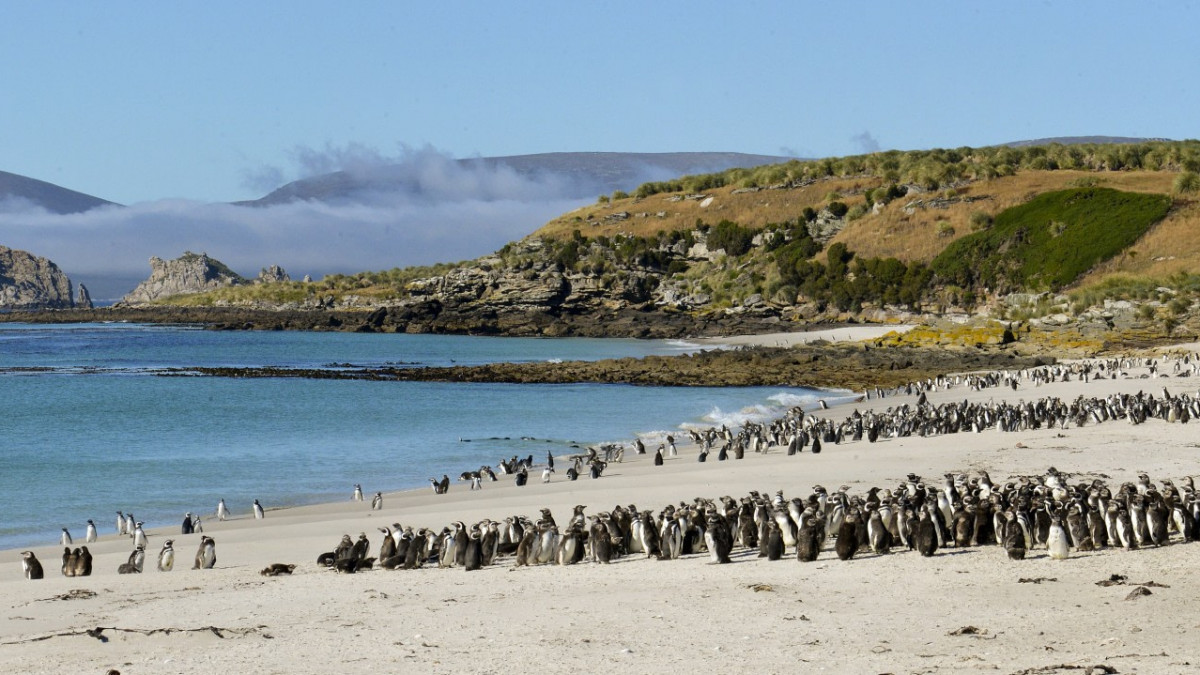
856, 367
432, 317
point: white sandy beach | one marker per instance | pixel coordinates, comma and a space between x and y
876, 613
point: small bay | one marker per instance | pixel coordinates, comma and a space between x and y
90, 428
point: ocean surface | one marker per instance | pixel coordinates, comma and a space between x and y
89, 425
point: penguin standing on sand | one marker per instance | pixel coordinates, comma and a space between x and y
718, 538
187, 527
121, 523
808, 542
139, 535
222, 512
33, 568
166, 557
377, 502
68, 562
358, 495
258, 511
83, 562
65, 539
847, 539
927, 541
658, 458
206, 555
91, 532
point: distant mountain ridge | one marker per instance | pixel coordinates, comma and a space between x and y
584, 174
588, 174
48, 196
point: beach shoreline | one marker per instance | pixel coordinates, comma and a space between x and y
875, 613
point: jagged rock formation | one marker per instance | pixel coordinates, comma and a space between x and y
270, 274
29, 282
189, 273
84, 299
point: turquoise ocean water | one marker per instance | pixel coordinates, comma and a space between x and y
89, 428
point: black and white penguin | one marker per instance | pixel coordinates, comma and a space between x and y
139, 536
166, 556
222, 511
1057, 541
258, 511
377, 502
83, 562
522, 477
91, 532
358, 495
186, 527
206, 555
65, 538
132, 566
658, 458
121, 523
718, 538
33, 568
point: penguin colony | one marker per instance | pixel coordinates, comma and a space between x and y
1024, 513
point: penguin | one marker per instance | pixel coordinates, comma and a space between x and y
206, 555
91, 532
129, 524
525, 547
546, 474
413, 557
847, 538
808, 542
377, 502
258, 511
1057, 541
600, 543
358, 495
83, 562
927, 540
68, 562
774, 541
222, 512
33, 568
65, 539
361, 548
138, 558
718, 538
121, 523
187, 527
139, 536
197, 526
166, 556
131, 566
522, 477
277, 569
1014, 541
658, 458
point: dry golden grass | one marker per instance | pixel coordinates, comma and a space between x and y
1171, 246
748, 209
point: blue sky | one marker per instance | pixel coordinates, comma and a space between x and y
212, 101
175, 108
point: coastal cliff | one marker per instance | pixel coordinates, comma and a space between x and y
29, 282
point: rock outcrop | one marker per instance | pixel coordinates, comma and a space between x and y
28, 282
272, 274
84, 299
189, 273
